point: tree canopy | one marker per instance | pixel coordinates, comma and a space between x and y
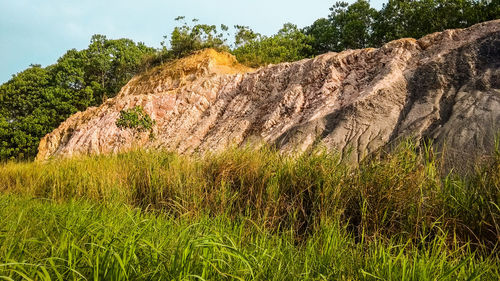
254, 49
358, 25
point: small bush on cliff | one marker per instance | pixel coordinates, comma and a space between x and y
135, 118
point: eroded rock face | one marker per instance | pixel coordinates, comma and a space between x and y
445, 86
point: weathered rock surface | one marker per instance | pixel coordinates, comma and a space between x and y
444, 86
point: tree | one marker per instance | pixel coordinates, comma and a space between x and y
359, 26
347, 27
31, 107
289, 44
109, 64
68, 78
37, 100
186, 39
244, 35
323, 36
417, 18
352, 24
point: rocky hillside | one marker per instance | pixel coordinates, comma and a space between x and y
444, 87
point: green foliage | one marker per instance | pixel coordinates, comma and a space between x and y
37, 100
187, 39
323, 34
135, 118
250, 48
32, 105
253, 49
110, 64
244, 35
404, 18
358, 25
250, 215
352, 24
347, 27
401, 195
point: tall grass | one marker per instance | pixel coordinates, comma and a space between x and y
401, 194
83, 240
249, 214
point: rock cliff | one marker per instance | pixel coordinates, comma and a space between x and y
444, 87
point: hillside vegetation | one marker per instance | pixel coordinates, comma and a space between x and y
36, 100
250, 215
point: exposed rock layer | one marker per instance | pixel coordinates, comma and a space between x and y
445, 87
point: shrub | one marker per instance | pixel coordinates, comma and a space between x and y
135, 118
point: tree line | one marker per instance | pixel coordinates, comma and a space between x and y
38, 99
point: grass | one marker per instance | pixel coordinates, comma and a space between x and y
249, 215
76, 240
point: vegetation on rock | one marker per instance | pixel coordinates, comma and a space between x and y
135, 118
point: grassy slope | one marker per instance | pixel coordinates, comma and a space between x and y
248, 214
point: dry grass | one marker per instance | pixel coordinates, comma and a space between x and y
194, 64
401, 194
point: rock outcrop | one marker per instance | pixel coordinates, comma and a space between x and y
444, 87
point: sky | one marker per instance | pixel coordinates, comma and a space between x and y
40, 31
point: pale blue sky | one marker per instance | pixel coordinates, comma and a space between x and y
40, 31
